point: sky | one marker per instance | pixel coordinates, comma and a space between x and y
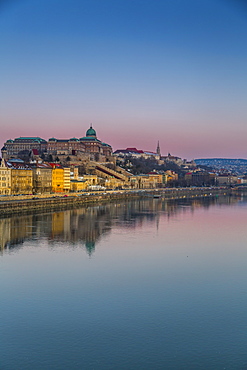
138, 70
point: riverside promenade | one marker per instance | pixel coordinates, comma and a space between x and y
49, 202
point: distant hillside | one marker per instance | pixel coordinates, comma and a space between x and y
237, 166
222, 159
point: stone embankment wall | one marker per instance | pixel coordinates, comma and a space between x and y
27, 204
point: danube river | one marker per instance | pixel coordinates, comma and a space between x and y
142, 284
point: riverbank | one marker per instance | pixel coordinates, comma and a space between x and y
30, 203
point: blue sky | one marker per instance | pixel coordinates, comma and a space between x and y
139, 70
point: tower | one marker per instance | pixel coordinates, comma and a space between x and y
158, 149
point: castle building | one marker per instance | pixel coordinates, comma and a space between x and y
20, 147
72, 146
94, 146
85, 148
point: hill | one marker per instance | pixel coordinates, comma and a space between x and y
237, 166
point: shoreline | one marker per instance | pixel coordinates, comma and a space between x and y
26, 204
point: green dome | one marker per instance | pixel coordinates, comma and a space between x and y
91, 132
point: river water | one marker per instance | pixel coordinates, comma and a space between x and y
142, 284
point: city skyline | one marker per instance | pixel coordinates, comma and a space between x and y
172, 71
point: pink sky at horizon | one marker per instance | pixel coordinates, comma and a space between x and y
193, 144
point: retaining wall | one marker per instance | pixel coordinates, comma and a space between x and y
19, 206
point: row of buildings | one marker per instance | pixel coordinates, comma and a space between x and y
122, 154
199, 178
18, 177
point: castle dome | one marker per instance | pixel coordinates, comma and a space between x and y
91, 132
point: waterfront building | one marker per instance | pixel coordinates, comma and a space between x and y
142, 182
226, 179
57, 178
199, 178
151, 180
21, 178
156, 179
91, 179
113, 183
5, 179
60, 178
78, 185
66, 179
42, 178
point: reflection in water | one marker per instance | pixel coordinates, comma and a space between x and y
166, 288
87, 225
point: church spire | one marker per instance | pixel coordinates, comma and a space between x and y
158, 149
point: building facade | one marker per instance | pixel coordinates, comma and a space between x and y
99, 151
57, 178
42, 178
88, 147
5, 179
85, 148
21, 179
136, 153
22, 146
56, 147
